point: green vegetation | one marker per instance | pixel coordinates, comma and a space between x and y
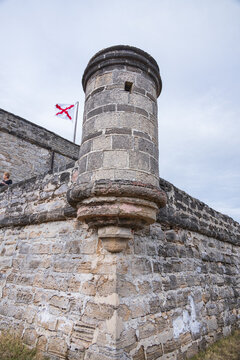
12, 348
225, 349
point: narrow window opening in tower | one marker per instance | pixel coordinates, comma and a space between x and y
128, 86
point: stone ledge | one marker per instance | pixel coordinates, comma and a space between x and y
38, 218
184, 211
119, 188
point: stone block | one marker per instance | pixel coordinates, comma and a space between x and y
139, 355
139, 175
55, 282
154, 169
59, 301
41, 248
139, 160
103, 174
102, 143
57, 346
212, 323
192, 350
139, 309
142, 134
144, 288
90, 86
85, 177
63, 266
141, 266
126, 108
154, 352
75, 354
88, 246
127, 340
90, 127
122, 142
30, 337
126, 288
85, 148
65, 326
120, 77
84, 266
146, 83
142, 102
94, 112
29, 315
122, 130
106, 286
110, 97
72, 247
74, 284
94, 160
115, 159
41, 343
125, 120
102, 80
88, 288
9, 250
98, 311
62, 190
147, 330
46, 320
170, 346
145, 146
82, 334
24, 296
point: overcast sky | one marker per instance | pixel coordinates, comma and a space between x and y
46, 45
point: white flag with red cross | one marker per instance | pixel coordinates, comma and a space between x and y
65, 111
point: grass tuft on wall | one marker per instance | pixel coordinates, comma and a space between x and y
12, 348
225, 349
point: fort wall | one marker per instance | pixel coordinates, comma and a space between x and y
101, 259
174, 289
27, 149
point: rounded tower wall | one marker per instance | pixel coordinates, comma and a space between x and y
120, 128
118, 182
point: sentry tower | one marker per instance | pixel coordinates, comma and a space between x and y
118, 184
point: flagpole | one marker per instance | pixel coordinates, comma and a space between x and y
75, 125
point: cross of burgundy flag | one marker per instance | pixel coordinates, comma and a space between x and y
65, 111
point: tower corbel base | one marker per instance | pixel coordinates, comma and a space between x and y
116, 208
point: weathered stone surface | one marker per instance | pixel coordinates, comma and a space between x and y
140, 354
42, 199
173, 290
154, 352
188, 213
57, 346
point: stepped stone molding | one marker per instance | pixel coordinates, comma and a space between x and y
123, 55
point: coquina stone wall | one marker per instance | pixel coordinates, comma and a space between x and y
103, 260
27, 150
174, 289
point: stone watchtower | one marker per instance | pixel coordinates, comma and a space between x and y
118, 184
